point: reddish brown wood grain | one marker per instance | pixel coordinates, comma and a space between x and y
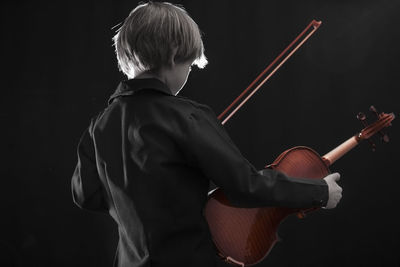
247, 235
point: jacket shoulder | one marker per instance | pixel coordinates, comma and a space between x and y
180, 103
191, 104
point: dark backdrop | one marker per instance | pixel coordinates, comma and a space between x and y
59, 67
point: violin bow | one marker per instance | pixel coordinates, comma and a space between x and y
315, 24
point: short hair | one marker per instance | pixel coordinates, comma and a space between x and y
152, 33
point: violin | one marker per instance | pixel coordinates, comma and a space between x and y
245, 236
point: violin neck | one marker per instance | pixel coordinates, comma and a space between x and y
340, 150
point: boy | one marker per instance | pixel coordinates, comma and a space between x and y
148, 158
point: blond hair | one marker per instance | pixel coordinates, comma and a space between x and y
153, 34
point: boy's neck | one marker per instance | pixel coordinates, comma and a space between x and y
162, 78
146, 75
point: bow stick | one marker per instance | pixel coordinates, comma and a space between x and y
315, 24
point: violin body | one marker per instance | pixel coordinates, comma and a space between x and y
245, 236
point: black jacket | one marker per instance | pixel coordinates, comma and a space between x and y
147, 160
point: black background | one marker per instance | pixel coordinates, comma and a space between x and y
59, 69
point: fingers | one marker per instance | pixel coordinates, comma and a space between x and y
338, 197
335, 191
340, 190
335, 176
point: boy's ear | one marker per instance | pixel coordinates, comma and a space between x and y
171, 61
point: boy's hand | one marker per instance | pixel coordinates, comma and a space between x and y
335, 191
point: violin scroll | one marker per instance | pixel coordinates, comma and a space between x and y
384, 136
383, 120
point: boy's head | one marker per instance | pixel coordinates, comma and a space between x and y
156, 35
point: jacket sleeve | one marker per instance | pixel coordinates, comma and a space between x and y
87, 190
220, 160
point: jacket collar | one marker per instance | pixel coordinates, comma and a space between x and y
129, 87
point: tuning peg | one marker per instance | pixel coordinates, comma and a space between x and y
361, 117
374, 110
384, 137
373, 146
